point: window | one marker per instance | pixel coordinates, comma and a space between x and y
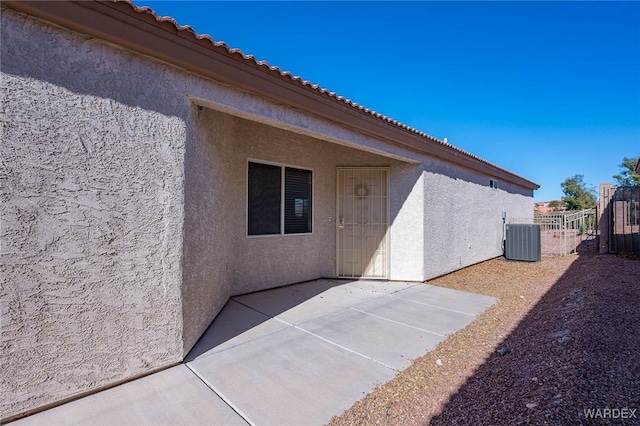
264, 199
493, 183
297, 201
279, 200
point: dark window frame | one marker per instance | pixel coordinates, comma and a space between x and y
293, 203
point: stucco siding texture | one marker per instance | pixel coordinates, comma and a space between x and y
123, 215
257, 263
436, 209
463, 216
406, 230
210, 227
91, 216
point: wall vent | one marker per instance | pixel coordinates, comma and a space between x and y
523, 242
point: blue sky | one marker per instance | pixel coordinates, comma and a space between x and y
544, 89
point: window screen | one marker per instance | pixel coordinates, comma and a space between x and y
264, 202
266, 209
297, 201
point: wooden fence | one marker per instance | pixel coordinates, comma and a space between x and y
620, 223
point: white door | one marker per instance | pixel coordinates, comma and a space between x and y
362, 223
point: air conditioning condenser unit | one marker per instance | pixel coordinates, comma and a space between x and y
523, 242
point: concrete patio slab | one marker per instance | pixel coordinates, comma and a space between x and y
234, 325
170, 397
303, 302
429, 318
388, 342
373, 286
290, 378
457, 300
298, 354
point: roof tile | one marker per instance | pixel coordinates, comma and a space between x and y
266, 67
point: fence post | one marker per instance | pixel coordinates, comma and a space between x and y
605, 217
564, 234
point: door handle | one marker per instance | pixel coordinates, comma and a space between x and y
340, 223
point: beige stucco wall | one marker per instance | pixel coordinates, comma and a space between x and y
91, 215
437, 209
256, 263
123, 209
463, 222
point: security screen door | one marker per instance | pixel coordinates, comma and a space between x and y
362, 223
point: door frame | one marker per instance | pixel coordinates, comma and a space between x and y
388, 218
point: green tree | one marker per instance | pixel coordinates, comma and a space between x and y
577, 195
627, 176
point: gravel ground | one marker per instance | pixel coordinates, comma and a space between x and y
572, 328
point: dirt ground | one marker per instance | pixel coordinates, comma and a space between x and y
568, 329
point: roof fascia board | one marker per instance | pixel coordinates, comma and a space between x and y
120, 24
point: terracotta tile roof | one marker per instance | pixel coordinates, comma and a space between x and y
266, 67
146, 15
240, 55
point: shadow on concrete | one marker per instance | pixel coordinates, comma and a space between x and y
576, 350
237, 318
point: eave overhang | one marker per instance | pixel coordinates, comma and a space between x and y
141, 31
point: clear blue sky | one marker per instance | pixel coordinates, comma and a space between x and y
544, 89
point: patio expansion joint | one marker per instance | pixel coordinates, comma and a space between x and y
263, 313
260, 312
207, 355
346, 348
398, 322
249, 307
220, 395
245, 342
433, 306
